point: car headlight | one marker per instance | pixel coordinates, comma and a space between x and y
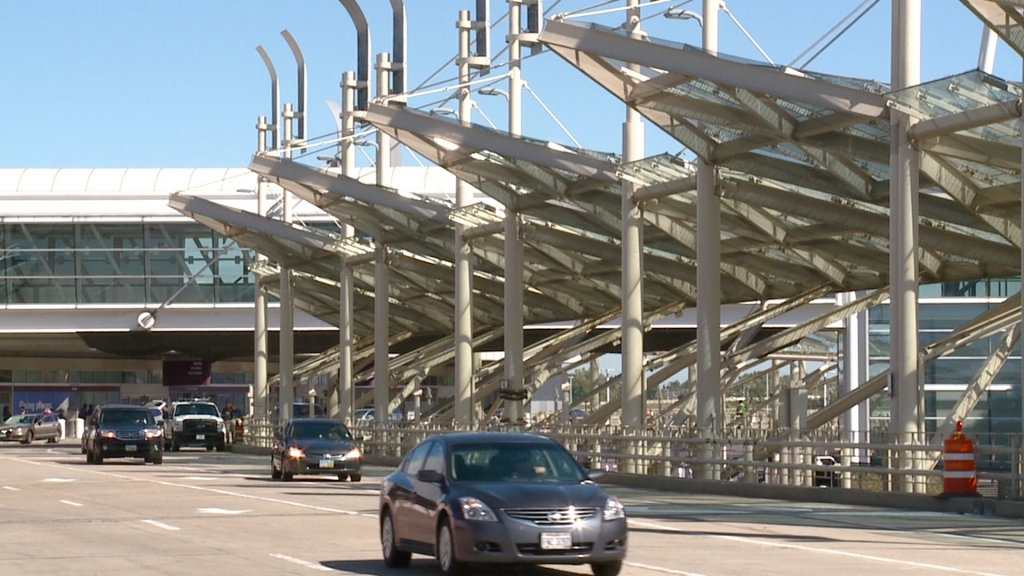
296, 453
220, 426
154, 433
108, 434
473, 509
352, 454
613, 509
177, 425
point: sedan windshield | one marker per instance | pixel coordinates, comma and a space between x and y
519, 462
325, 429
20, 419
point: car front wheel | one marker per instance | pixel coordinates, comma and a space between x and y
606, 568
393, 557
450, 565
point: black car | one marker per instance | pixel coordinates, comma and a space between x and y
474, 498
123, 431
315, 446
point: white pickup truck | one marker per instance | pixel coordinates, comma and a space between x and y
194, 423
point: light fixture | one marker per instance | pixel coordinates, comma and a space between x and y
676, 14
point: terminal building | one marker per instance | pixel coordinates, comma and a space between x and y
139, 284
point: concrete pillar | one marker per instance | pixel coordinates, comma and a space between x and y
261, 350
464, 417
286, 364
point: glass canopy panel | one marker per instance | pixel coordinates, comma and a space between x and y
959, 93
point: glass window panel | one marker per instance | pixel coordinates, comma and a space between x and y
949, 316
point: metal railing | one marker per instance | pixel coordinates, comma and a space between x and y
678, 452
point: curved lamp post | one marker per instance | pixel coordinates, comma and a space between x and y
300, 64
362, 52
275, 98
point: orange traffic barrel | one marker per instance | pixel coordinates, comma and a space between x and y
239, 430
959, 477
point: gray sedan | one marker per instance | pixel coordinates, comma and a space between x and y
480, 498
25, 428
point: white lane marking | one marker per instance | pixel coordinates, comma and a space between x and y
747, 540
221, 511
198, 478
70, 503
12, 488
161, 525
58, 480
660, 569
306, 563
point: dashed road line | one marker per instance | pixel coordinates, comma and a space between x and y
161, 525
660, 569
71, 503
12, 488
306, 563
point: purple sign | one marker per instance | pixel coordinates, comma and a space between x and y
187, 372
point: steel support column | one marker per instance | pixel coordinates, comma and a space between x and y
903, 234
514, 410
709, 265
855, 372
286, 363
632, 262
382, 275
346, 337
463, 263
260, 347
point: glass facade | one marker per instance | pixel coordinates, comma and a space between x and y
998, 411
121, 263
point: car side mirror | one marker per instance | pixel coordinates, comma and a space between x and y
359, 438
595, 475
431, 476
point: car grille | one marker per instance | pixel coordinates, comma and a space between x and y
199, 426
130, 434
536, 550
551, 516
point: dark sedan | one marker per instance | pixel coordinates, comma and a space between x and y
471, 498
315, 446
123, 431
25, 428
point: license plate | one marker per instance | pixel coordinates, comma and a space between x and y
555, 541
327, 463
129, 448
200, 436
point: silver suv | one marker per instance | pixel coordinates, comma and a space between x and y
194, 423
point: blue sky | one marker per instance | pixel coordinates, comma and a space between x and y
118, 83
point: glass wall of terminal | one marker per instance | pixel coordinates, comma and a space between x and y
998, 413
121, 263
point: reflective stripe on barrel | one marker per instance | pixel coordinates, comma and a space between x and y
958, 474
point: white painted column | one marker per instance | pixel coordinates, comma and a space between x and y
260, 335
382, 275
632, 263
709, 265
346, 340
463, 262
514, 411
286, 363
903, 235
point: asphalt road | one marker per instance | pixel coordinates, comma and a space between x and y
221, 514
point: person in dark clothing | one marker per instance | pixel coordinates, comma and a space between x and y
7, 412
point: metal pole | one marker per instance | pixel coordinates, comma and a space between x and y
260, 339
709, 265
853, 361
463, 263
286, 363
632, 262
301, 84
513, 245
987, 53
382, 276
903, 254
381, 376
346, 391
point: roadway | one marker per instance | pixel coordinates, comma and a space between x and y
220, 513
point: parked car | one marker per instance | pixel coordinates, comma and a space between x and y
484, 497
26, 428
123, 431
315, 446
826, 478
